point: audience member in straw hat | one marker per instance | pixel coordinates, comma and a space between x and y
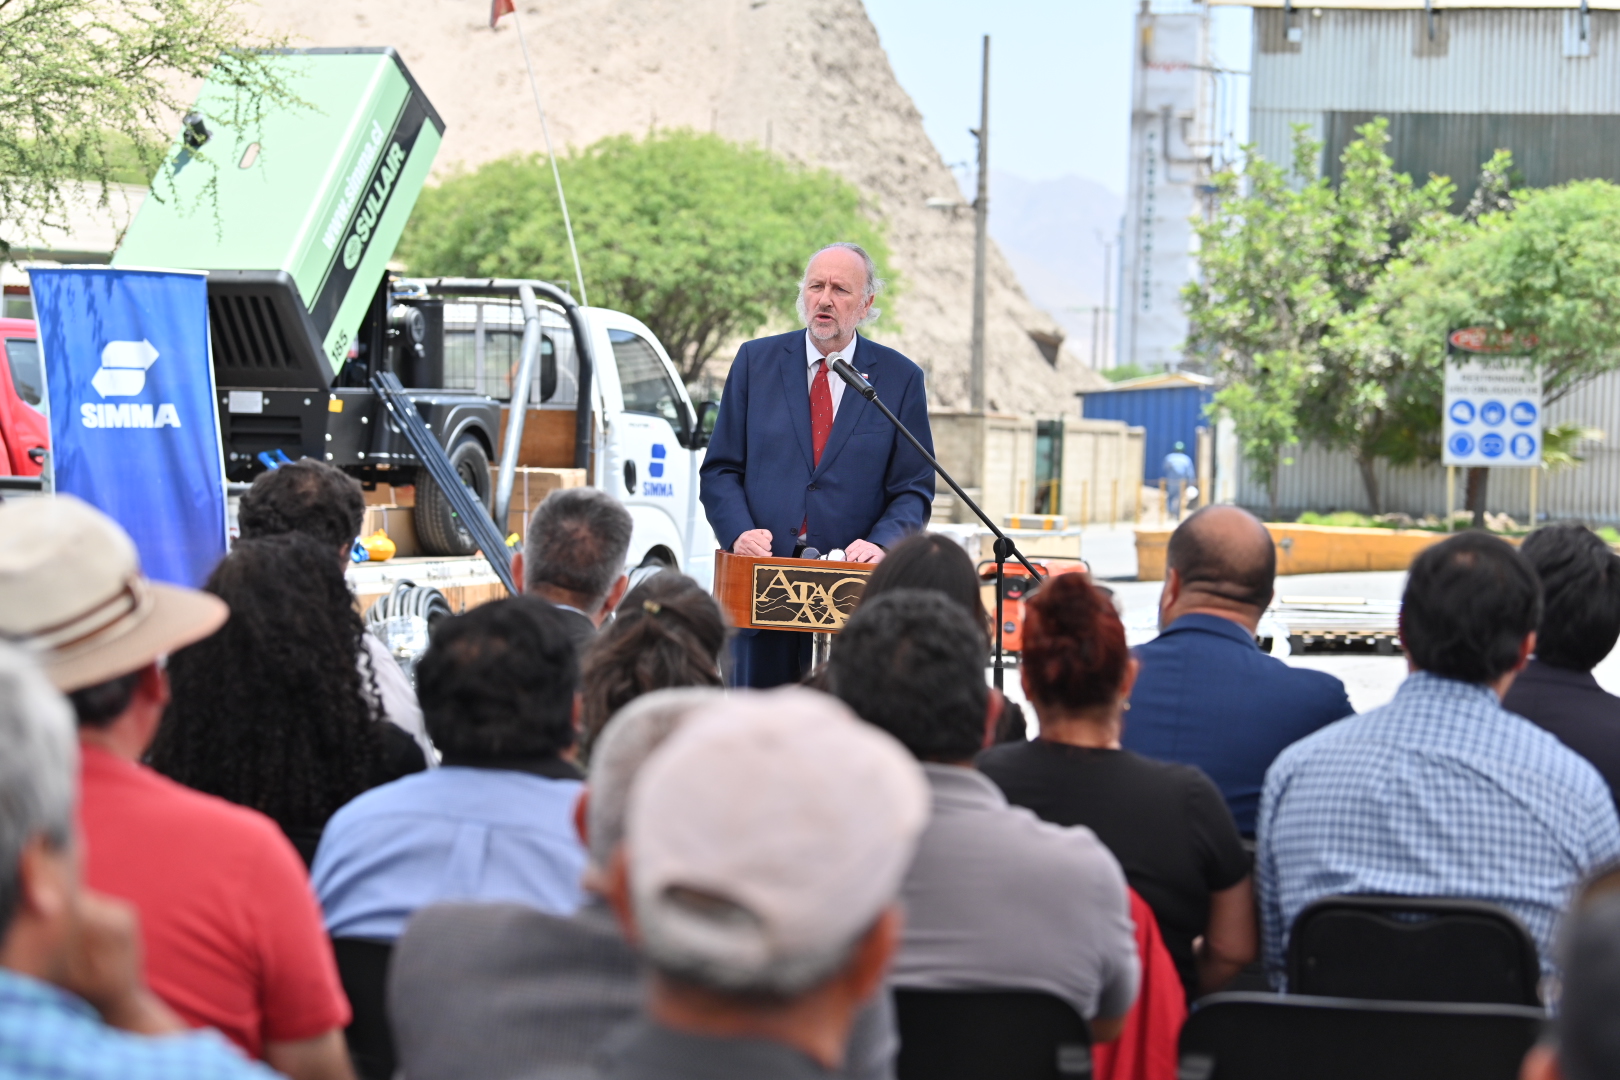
764, 847
231, 933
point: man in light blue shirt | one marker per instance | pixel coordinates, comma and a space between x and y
495, 822
1442, 792
1179, 474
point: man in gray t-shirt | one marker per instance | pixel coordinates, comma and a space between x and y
996, 898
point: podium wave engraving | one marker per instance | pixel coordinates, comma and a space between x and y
805, 598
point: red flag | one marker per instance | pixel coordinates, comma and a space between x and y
497, 8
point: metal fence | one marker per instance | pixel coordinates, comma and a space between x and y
1325, 480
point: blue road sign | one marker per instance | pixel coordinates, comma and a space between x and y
1462, 412
1492, 413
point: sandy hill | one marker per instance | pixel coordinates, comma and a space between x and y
808, 78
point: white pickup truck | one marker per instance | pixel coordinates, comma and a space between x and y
456, 344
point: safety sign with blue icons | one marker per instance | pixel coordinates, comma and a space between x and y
1492, 413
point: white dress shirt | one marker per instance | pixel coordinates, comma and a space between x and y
835, 385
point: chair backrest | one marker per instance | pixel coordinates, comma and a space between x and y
1288, 1036
363, 967
990, 1035
1405, 948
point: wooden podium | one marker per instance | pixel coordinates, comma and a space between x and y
809, 595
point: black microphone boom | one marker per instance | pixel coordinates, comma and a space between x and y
843, 370
1004, 546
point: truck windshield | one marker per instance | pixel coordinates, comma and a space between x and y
22, 356
645, 382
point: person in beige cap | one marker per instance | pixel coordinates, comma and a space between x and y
765, 846
231, 933
538, 995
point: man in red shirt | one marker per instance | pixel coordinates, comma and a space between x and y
231, 931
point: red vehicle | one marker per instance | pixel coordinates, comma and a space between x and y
25, 433
1016, 587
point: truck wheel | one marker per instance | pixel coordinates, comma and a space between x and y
438, 529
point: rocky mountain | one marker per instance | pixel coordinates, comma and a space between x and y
807, 78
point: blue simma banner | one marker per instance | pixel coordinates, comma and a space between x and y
134, 430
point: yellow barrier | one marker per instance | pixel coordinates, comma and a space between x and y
1309, 549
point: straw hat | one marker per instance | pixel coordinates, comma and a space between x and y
72, 593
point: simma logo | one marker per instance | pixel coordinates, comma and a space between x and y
123, 374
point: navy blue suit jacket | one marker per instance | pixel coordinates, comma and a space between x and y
1571, 705
1207, 696
759, 472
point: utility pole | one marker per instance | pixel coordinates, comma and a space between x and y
1108, 251
981, 212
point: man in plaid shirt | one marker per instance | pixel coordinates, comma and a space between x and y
1442, 792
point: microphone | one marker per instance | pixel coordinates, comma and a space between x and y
843, 370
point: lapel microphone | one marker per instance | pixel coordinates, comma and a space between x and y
843, 370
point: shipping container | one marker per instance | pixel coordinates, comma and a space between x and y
1170, 407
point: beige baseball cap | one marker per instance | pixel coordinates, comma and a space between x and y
72, 593
766, 836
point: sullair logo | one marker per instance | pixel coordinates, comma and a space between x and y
375, 203
353, 186
359, 217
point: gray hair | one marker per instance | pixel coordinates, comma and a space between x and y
577, 541
37, 768
623, 747
874, 284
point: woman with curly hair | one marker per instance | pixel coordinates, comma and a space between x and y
278, 710
667, 632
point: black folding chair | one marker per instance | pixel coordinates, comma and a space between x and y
990, 1035
363, 967
1290, 1036
1412, 948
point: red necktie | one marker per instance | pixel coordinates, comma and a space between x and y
821, 411
821, 421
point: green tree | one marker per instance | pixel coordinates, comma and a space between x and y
1262, 302
1549, 267
1285, 264
701, 239
90, 89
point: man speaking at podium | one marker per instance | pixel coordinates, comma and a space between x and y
799, 462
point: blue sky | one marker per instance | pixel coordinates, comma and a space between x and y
1060, 78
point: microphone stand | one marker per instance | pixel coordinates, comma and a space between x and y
1004, 546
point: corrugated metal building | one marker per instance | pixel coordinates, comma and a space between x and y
1457, 80
1170, 407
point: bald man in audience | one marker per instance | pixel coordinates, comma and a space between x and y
1207, 695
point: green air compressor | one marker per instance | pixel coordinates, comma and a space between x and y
295, 217
319, 191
